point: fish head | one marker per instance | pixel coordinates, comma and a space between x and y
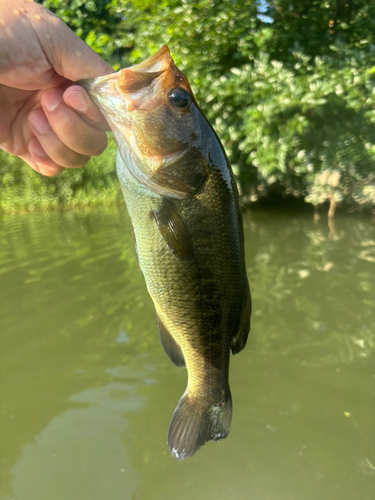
151, 109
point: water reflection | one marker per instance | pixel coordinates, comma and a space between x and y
79, 454
87, 393
318, 287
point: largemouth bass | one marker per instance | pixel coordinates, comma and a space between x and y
187, 228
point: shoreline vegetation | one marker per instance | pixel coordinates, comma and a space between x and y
288, 85
24, 190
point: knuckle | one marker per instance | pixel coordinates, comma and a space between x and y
65, 157
78, 137
91, 144
78, 161
66, 126
3, 132
99, 146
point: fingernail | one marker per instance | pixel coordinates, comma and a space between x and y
36, 148
77, 100
38, 121
52, 98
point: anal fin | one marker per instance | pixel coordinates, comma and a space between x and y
170, 346
239, 340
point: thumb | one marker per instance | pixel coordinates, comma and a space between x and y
68, 55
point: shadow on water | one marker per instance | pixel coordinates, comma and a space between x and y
87, 393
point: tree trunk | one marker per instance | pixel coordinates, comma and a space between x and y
332, 207
331, 213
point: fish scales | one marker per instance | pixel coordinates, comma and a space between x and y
211, 279
187, 228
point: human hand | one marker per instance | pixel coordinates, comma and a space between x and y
44, 119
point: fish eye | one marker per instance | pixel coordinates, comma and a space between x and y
180, 98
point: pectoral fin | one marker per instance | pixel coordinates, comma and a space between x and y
169, 181
239, 340
174, 231
170, 346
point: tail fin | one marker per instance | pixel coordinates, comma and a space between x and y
192, 425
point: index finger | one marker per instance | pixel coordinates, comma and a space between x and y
78, 99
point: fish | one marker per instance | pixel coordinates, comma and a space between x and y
187, 228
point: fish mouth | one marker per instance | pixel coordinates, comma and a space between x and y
105, 94
123, 95
139, 87
154, 66
136, 88
131, 87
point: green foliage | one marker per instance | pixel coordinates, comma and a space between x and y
292, 99
288, 85
313, 27
309, 132
98, 22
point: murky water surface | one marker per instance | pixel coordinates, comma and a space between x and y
87, 393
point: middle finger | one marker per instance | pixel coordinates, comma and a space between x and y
52, 145
70, 127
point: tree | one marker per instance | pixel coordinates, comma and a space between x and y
290, 91
288, 85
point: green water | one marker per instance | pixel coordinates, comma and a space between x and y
87, 392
